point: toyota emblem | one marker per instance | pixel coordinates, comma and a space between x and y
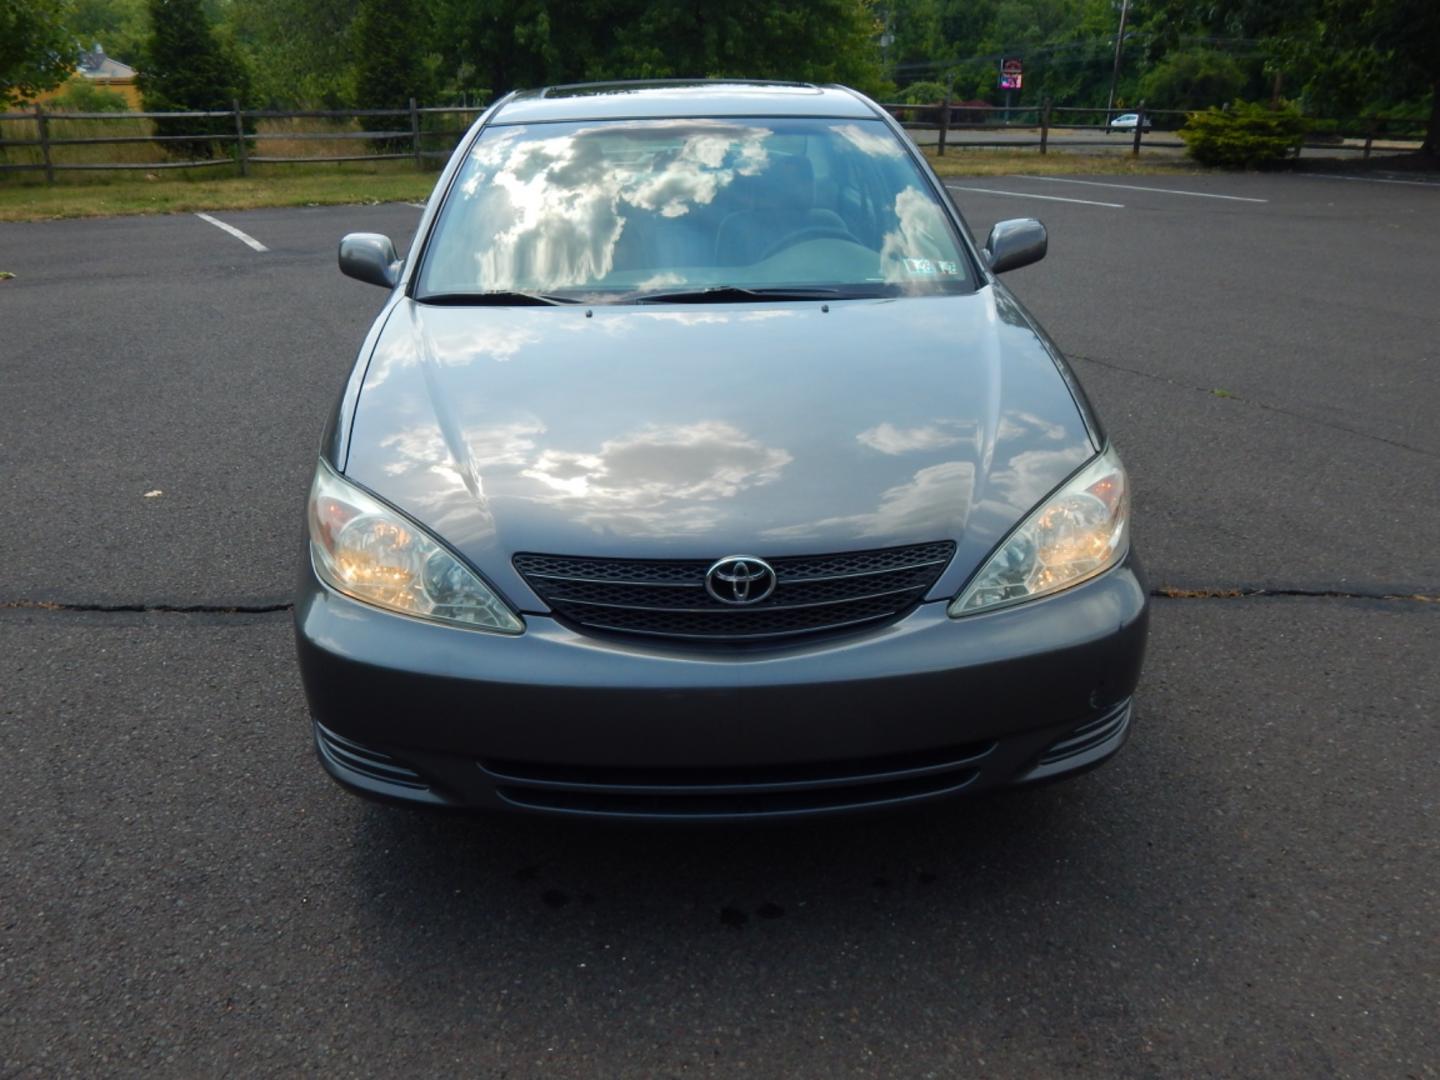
740, 579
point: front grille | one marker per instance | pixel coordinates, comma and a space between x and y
737, 791
667, 598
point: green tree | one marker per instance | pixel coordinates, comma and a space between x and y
299, 52
121, 26
186, 68
520, 43
1404, 35
1067, 47
816, 40
918, 39
1192, 79
37, 51
1277, 37
389, 39
512, 44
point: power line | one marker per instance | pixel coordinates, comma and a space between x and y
1027, 52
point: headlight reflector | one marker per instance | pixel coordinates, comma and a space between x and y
1080, 531
364, 549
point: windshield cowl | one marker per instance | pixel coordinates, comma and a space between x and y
496, 298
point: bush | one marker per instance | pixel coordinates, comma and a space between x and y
1244, 135
81, 95
924, 93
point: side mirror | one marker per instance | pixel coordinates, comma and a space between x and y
371, 258
1015, 243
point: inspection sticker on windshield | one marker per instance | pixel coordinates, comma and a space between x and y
930, 267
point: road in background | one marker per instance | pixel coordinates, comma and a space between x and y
1251, 886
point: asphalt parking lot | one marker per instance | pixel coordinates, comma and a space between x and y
1252, 887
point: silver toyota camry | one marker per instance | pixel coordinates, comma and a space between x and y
699, 467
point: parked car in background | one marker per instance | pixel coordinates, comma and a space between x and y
700, 467
1127, 122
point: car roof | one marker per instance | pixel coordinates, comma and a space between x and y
681, 98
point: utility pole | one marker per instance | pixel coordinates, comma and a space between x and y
886, 40
1115, 71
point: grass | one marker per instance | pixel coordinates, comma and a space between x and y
182, 191
988, 162
24, 196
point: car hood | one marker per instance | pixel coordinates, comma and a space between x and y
700, 431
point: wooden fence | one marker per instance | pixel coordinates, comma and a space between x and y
416, 137
413, 141
945, 120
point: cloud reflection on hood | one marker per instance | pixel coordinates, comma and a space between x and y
658, 479
496, 339
423, 446
926, 505
889, 439
652, 482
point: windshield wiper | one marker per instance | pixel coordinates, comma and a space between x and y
495, 298
733, 294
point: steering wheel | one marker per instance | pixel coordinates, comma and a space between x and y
810, 232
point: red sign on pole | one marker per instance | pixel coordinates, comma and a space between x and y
1012, 74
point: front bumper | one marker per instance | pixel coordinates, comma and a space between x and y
560, 722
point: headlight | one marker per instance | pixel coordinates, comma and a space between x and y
1080, 531
366, 550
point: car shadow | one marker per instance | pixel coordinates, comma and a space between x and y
989, 882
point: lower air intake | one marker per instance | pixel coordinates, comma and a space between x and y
367, 761
737, 792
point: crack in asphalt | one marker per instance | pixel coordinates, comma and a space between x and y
1111, 365
1163, 592
1250, 592
165, 609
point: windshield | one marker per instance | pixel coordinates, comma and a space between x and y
627, 209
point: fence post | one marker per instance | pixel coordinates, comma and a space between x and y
1139, 128
43, 126
415, 132
240, 140
1369, 137
1044, 124
944, 123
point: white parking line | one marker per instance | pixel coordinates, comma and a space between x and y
1139, 187
417, 205
1372, 179
1027, 195
244, 238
